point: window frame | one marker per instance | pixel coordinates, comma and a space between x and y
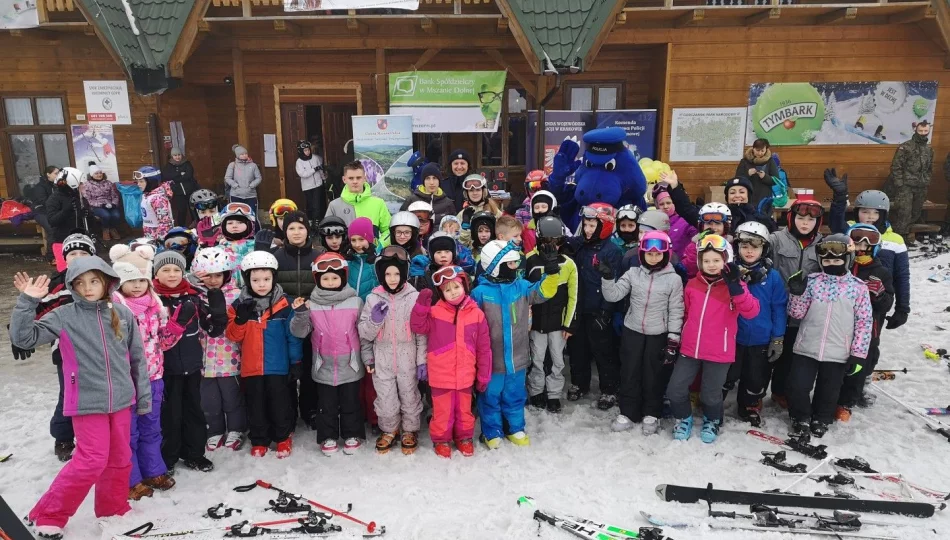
503, 122
37, 129
595, 87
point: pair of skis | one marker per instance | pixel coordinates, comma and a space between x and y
935, 425
586, 528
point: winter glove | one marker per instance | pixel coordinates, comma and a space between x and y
605, 270
422, 372
263, 239
425, 298
245, 310
775, 349
417, 268
854, 366
208, 232
184, 313
296, 370
549, 255
898, 319
797, 283
838, 185
672, 349
603, 320
18, 353
480, 387
875, 285
378, 314
731, 275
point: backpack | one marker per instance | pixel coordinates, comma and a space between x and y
779, 184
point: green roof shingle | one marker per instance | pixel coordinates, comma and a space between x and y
564, 30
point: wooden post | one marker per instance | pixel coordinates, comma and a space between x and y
382, 82
240, 96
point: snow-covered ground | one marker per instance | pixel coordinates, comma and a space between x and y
574, 464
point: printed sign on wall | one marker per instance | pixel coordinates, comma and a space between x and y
107, 102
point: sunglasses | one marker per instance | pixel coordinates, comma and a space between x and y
474, 183
714, 217
334, 263
751, 239
714, 242
809, 210
658, 245
283, 210
872, 238
444, 274
832, 249
238, 208
206, 205
396, 252
335, 230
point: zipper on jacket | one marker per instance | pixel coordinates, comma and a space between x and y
702, 316
824, 333
298, 273
643, 320
395, 354
105, 351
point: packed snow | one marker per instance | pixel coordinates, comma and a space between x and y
575, 464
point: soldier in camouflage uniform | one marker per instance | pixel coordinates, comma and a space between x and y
907, 185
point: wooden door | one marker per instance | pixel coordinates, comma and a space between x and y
293, 124
337, 130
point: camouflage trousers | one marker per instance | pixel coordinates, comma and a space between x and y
907, 204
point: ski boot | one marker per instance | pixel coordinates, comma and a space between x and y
519, 438
49, 532
606, 402
409, 442
843, 414
162, 482
575, 393
554, 405
466, 447
818, 428
200, 463
539, 401
492, 444
683, 429
385, 442
443, 450
798, 428
621, 423
285, 448
750, 415
650, 425
710, 430
64, 450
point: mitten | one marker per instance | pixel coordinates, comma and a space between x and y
424, 298
378, 313
245, 310
898, 319
417, 268
775, 349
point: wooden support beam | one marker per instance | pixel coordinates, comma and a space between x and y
429, 26
773, 13
204, 26
42, 15
837, 15
429, 54
240, 96
382, 83
520, 77
912, 15
621, 18
520, 38
352, 23
184, 47
245, 8
287, 27
502, 25
942, 12
689, 18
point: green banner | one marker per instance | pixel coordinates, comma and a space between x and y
448, 101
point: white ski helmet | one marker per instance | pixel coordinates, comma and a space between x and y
754, 228
257, 260
496, 253
654, 220
716, 208
70, 176
418, 206
406, 218
213, 260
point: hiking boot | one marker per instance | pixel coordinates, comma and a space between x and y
385, 442
575, 393
106, 234
554, 405
780, 400
843, 414
443, 450
140, 491
539, 401
466, 447
64, 450
409, 442
162, 482
285, 448
606, 402
200, 463
115, 234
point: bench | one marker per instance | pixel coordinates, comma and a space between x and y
39, 239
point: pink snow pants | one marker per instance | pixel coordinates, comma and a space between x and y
451, 415
103, 459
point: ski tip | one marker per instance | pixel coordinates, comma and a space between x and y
661, 491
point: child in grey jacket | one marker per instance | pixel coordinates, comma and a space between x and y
104, 362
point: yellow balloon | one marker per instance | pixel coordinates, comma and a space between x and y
664, 167
645, 163
652, 173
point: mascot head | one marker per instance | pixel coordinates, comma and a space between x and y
609, 173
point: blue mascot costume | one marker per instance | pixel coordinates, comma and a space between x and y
608, 173
417, 161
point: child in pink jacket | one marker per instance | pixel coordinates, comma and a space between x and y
713, 300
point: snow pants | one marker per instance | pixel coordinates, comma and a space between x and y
270, 413
183, 422
592, 341
398, 402
853, 387
752, 371
710, 394
368, 400
782, 366
826, 377
641, 365
60, 426
103, 459
551, 343
504, 397
452, 416
223, 404
340, 414
307, 402
146, 440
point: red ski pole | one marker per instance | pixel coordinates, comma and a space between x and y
370, 527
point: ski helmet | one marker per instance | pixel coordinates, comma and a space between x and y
440, 241
543, 196
878, 200
257, 260
475, 181
240, 212
835, 246
146, 172
631, 212
204, 199
656, 242
450, 273
805, 208
654, 220
550, 227
214, 260
494, 258
332, 226
481, 218
333, 263
755, 233
280, 208
604, 214
392, 256
534, 181
713, 242
716, 211
420, 206
867, 233
70, 177
301, 146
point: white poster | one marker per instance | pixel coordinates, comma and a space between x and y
314, 5
95, 144
18, 14
708, 134
107, 102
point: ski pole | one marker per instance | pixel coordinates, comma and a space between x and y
143, 530
905, 370
370, 527
933, 424
807, 474
849, 474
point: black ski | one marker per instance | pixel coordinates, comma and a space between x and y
687, 494
12, 527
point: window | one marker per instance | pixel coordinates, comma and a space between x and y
594, 97
35, 134
506, 147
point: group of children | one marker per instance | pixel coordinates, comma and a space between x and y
227, 330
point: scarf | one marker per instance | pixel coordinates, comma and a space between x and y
141, 305
263, 303
182, 288
323, 297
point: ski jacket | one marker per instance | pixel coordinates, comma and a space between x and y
836, 318
559, 312
771, 321
151, 324
442, 205
681, 235
587, 255
187, 355
182, 177
102, 373
458, 343
267, 345
293, 269
465, 217
222, 356
361, 275
712, 319
99, 193
396, 349
37, 194
157, 217
912, 164
789, 258
881, 303
350, 206
761, 187
243, 177
740, 212
331, 318
656, 299
311, 172
239, 248
507, 310
65, 212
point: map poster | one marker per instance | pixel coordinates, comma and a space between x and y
708, 134
557, 126
383, 143
800, 113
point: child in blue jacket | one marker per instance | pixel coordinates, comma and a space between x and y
759, 340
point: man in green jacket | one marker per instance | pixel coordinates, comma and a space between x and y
358, 201
907, 185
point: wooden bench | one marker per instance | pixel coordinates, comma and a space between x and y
38, 239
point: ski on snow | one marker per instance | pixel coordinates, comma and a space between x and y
688, 494
836, 534
11, 527
586, 528
801, 444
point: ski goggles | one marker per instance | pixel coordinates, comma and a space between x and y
714, 217
474, 183
446, 273
594, 212
809, 210
657, 245
139, 175
831, 249
751, 239
629, 211
177, 243
872, 238
535, 185
206, 205
282, 210
333, 230
239, 208
713, 242
326, 265
394, 252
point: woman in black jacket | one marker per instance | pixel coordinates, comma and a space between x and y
758, 166
182, 175
36, 196
64, 207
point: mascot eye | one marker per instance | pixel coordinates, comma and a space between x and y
588, 164
611, 165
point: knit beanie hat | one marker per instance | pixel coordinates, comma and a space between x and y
78, 242
132, 264
741, 182
441, 241
362, 227
176, 152
660, 197
296, 217
238, 150
93, 169
169, 257
431, 169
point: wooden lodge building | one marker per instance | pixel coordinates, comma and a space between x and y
233, 70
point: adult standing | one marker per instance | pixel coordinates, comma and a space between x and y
357, 200
460, 166
242, 177
911, 170
181, 173
36, 195
310, 170
758, 166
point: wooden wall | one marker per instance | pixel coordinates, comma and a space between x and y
189, 106
30, 63
713, 67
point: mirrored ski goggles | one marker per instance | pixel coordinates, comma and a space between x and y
283, 210
206, 205
535, 185
446, 273
333, 230
394, 252
593, 212
714, 217
872, 238
628, 212
751, 239
240, 208
713, 242
177, 243
326, 265
474, 183
831, 249
658, 245
809, 210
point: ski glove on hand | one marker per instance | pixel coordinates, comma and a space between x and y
797, 283
417, 268
245, 311
184, 312
875, 285
18, 353
549, 255
425, 298
422, 372
775, 349
898, 319
480, 387
605, 270
378, 313
731, 275
672, 349
854, 366
838, 185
